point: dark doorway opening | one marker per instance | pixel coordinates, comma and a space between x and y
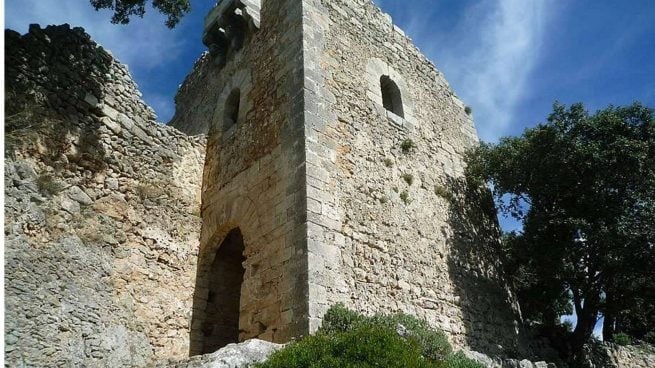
220, 325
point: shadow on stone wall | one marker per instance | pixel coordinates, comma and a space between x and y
490, 316
95, 189
55, 80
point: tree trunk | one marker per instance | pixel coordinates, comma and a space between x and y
550, 320
587, 318
609, 312
609, 326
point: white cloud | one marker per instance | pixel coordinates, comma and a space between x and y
144, 43
495, 50
487, 55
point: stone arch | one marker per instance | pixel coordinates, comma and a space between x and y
228, 233
233, 102
219, 324
392, 99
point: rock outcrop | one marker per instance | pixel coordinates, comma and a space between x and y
232, 356
607, 355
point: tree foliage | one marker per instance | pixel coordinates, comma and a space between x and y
124, 9
583, 187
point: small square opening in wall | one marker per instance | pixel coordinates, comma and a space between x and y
231, 111
391, 97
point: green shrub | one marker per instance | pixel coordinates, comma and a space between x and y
407, 146
404, 196
444, 193
459, 360
409, 179
468, 110
388, 162
366, 345
349, 339
47, 185
340, 319
621, 339
434, 344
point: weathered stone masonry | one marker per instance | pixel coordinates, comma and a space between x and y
380, 236
333, 174
101, 211
314, 175
254, 172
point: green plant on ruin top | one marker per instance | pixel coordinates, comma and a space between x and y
444, 193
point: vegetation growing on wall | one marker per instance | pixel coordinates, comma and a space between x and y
404, 196
407, 146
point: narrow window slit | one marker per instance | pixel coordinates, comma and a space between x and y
232, 105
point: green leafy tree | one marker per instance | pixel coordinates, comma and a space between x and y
583, 187
124, 9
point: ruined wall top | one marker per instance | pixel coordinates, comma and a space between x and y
229, 24
102, 207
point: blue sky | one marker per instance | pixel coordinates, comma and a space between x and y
507, 59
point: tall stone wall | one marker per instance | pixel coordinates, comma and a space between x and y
391, 226
254, 171
338, 199
102, 209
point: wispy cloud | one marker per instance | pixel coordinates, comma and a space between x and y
487, 54
502, 45
156, 43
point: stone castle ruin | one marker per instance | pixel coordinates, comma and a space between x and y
315, 158
305, 175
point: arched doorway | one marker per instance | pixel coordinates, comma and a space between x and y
216, 322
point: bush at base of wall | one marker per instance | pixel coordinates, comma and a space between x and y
349, 339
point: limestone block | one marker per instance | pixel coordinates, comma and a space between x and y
78, 195
70, 205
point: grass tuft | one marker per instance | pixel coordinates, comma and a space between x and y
407, 146
409, 179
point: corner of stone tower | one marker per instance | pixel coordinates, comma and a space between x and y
247, 95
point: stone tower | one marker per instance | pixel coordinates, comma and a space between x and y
334, 147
